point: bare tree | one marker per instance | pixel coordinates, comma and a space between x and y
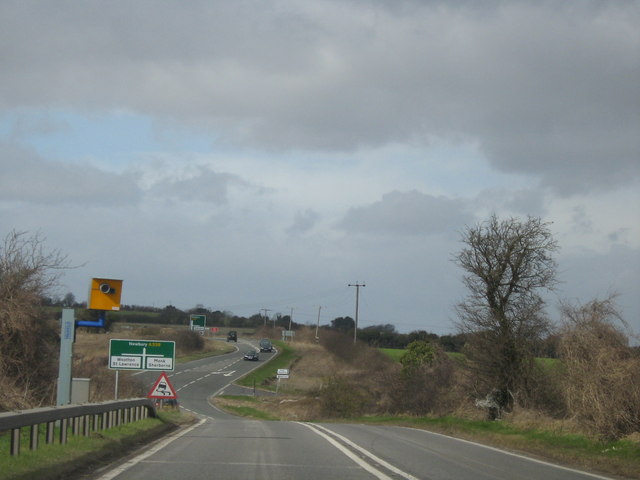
27, 341
507, 263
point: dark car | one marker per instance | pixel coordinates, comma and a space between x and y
232, 336
265, 345
252, 355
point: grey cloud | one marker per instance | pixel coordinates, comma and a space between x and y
581, 223
26, 177
593, 275
408, 213
206, 186
522, 201
304, 221
24, 126
546, 89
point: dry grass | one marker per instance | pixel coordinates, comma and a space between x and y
312, 369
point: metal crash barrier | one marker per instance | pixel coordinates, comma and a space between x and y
80, 419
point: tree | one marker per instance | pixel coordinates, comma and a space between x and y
69, 300
507, 264
344, 324
418, 353
28, 274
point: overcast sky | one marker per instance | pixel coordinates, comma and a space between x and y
250, 155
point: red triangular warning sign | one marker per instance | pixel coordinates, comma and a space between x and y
162, 388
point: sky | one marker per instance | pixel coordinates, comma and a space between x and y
260, 157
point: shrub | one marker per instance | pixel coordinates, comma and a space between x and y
602, 382
188, 341
102, 385
341, 398
426, 386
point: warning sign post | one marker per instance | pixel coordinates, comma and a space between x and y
162, 389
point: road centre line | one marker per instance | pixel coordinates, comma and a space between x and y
369, 454
369, 468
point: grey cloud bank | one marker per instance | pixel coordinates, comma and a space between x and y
306, 109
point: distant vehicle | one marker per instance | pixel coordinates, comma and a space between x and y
265, 345
232, 336
252, 355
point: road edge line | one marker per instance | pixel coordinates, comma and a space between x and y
154, 449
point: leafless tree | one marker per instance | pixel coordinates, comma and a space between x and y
507, 264
27, 341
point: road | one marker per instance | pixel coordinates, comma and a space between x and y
226, 447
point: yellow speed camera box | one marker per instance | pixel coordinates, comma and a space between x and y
104, 294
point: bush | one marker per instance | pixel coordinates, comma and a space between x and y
28, 338
602, 382
426, 386
102, 386
544, 390
341, 398
188, 341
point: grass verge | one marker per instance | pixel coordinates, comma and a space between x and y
84, 453
243, 406
263, 376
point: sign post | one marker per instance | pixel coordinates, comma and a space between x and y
162, 389
198, 322
141, 355
281, 373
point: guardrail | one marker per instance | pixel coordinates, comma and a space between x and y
83, 419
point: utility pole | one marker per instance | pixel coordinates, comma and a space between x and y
290, 318
357, 285
265, 310
318, 323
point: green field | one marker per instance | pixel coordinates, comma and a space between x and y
396, 353
393, 353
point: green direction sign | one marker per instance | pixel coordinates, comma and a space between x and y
198, 322
141, 355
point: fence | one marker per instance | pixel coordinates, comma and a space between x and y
82, 419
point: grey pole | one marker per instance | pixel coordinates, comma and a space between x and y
357, 285
67, 333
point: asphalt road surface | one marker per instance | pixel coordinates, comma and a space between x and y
222, 446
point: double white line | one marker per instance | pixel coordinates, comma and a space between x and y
333, 437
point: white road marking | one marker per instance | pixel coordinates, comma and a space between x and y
369, 468
582, 472
159, 446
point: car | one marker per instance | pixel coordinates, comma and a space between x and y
265, 345
252, 355
232, 336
